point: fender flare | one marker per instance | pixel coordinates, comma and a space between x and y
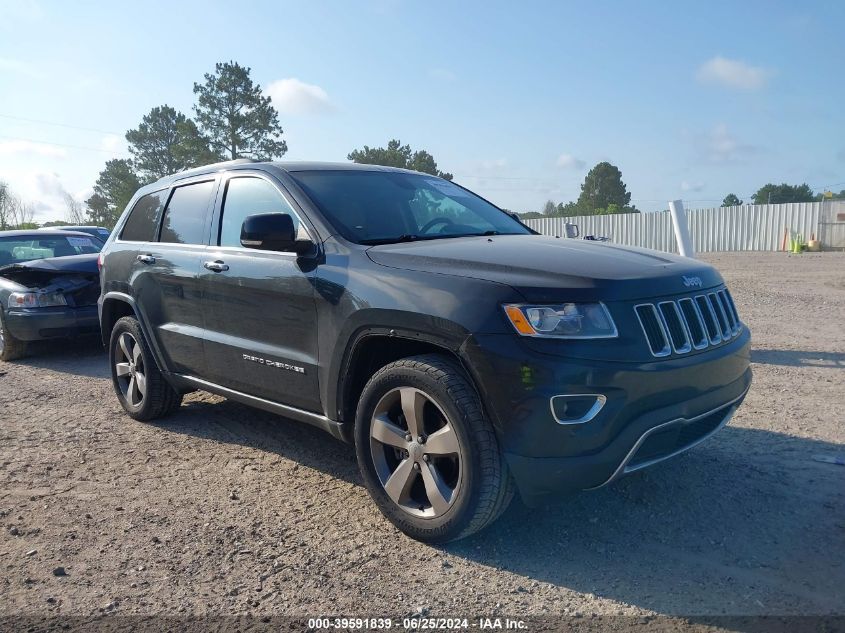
338, 372
150, 340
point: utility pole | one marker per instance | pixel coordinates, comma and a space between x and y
681, 227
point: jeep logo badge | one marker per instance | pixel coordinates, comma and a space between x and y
692, 282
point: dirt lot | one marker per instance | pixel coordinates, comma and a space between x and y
224, 509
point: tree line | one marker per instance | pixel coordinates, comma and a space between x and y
603, 192
398, 155
14, 211
232, 119
783, 193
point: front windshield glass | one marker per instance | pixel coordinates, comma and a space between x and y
376, 207
24, 248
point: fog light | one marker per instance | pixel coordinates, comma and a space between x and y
576, 408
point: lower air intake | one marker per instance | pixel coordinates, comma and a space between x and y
675, 438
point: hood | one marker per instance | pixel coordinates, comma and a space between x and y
545, 268
69, 264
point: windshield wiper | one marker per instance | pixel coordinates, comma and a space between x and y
484, 234
410, 237
405, 237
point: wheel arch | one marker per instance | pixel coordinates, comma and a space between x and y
375, 348
115, 306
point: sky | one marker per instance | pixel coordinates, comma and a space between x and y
691, 100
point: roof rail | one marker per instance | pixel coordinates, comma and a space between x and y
212, 167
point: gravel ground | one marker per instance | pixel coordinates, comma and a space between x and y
222, 509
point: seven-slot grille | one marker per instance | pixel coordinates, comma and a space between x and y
691, 323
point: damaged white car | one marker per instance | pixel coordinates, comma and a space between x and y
49, 285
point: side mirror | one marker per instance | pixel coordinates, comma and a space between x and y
572, 230
272, 232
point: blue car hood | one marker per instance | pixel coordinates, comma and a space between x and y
70, 264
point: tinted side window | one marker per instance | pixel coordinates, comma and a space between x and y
249, 196
143, 218
186, 214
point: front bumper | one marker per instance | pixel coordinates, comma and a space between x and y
654, 410
35, 324
644, 443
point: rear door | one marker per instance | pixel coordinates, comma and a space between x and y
165, 276
259, 306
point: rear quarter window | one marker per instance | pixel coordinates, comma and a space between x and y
143, 218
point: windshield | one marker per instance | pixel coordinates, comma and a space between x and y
24, 248
377, 207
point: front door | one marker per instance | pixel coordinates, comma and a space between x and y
258, 306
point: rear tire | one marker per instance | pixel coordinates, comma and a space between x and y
140, 387
11, 348
449, 480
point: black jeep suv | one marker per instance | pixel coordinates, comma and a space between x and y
464, 355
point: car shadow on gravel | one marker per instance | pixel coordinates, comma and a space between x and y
797, 358
748, 523
83, 356
212, 417
746, 516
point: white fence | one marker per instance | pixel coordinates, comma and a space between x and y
743, 228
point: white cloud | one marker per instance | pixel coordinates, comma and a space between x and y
292, 96
568, 161
19, 147
48, 185
721, 142
692, 186
733, 73
43, 190
721, 145
113, 143
84, 194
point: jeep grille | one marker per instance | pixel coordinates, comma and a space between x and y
690, 323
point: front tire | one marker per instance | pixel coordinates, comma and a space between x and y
427, 453
140, 387
11, 348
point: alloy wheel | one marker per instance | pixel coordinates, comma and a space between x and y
416, 452
129, 369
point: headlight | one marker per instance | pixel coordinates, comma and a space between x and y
36, 299
565, 320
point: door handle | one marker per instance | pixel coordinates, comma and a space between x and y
146, 259
217, 266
